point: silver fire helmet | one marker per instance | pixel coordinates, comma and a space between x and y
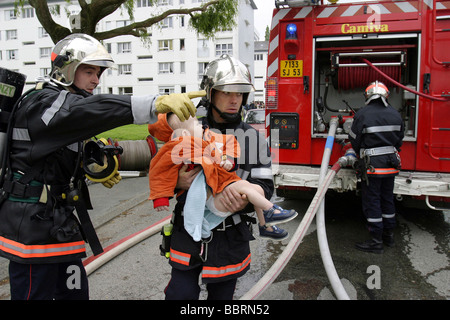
227, 74
74, 50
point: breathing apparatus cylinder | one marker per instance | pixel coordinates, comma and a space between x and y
11, 87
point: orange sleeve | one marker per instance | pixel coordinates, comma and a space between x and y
161, 129
163, 173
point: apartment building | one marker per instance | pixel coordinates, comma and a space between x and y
173, 61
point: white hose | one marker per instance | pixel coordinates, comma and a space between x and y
328, 264
293, 244
93, 263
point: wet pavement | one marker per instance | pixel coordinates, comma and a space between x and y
417, 268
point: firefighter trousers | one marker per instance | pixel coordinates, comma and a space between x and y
378, 204
184, 285
50, 281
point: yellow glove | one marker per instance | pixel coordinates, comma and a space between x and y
112, 181
179, 103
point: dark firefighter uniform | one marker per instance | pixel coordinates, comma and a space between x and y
226, 255
37, 222
376, 135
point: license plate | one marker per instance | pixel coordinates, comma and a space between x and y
291, 68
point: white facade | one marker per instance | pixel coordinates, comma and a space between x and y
173, 61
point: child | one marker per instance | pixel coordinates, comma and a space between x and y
190, 143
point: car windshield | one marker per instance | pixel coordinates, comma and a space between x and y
256, 116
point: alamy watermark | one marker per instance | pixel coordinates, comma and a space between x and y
374, 280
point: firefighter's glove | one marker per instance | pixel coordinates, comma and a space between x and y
179, 103
113, 180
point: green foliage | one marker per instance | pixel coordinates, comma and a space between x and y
218, 17
128, 132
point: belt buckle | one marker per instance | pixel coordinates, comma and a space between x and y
224, 226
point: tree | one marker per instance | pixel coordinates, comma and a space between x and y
208, 18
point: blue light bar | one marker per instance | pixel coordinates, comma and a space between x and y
291, 31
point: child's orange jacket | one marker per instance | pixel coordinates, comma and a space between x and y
206, 152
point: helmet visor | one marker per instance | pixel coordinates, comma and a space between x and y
101, 63
236, 87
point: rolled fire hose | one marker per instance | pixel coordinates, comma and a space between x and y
328, 264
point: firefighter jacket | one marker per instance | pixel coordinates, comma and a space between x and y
206, 151
376, 135
226, 255
37, 222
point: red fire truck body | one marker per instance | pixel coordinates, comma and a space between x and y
317, 69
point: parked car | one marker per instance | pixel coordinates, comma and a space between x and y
256, 118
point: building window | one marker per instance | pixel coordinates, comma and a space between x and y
166, 90
143, 3
124, 68
27, 13
201, 69
165, 67
11, 34
167, 23
202, 48
124, 47
10, 15
258, 57
45, 52
12, 54
126, 90
182, 47
165, 2
182, 22
182, 67
122, 23
44, 71
42, 33
165, 45
224, 48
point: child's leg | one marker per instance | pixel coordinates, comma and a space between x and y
254, 193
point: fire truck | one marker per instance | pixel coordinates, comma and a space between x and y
323, 54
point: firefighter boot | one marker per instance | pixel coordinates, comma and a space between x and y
374, 245
388, 237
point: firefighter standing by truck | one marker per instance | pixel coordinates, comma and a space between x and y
376, 135
225, 256
43, 173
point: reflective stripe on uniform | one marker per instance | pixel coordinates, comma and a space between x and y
180, 257
382, 171
386, 128
373, 220
54, 108
213, 272
262, 173
41, 251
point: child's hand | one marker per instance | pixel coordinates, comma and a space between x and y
162, 208
226, 164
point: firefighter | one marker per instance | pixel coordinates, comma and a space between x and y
376, 135
43, 176
225, 256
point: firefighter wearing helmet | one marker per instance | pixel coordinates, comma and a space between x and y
225, 256
44, 167
376, 135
